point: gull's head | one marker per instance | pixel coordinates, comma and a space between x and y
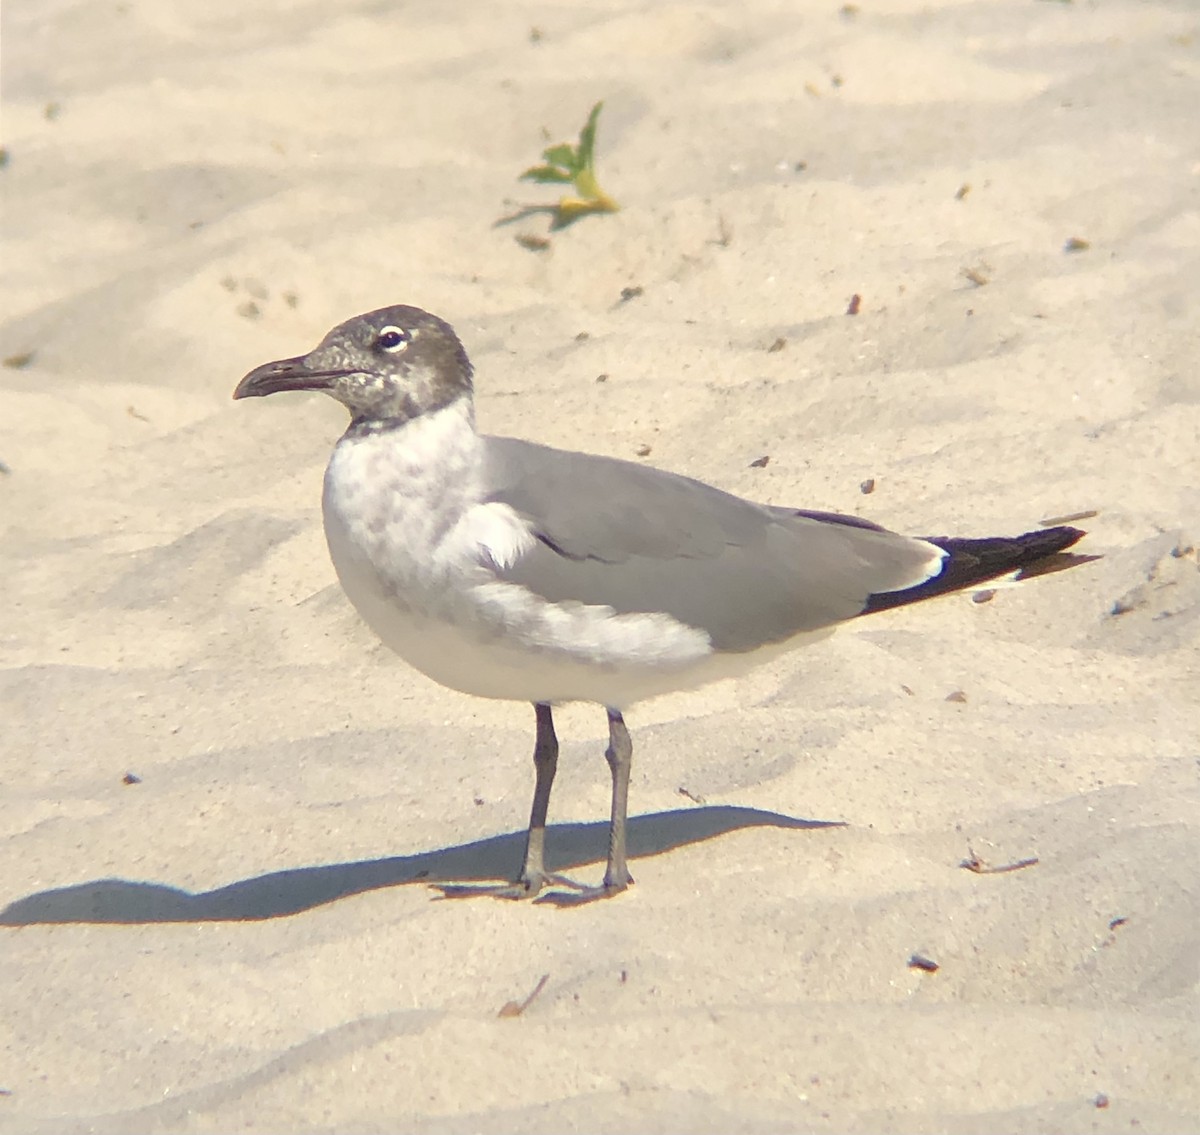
389, 365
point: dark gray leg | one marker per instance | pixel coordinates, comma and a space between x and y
545, 764
533, 876
619, 755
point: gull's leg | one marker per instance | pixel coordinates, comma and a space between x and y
533, 875
545, 764
619, 755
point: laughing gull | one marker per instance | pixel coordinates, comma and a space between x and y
507, 569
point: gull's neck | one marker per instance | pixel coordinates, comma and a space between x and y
436, 458
393, 496
460, 410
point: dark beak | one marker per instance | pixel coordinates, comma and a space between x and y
286, 374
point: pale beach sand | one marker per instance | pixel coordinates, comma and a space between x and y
229, 943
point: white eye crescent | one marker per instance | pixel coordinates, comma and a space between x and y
393, 339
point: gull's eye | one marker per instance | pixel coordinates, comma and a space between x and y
393, 339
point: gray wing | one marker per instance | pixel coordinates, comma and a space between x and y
638, 539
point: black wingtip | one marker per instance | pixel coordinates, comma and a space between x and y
973, 561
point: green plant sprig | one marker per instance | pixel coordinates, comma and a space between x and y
566, 164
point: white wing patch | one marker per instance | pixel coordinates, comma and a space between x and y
492, 534
933, 567
589, 634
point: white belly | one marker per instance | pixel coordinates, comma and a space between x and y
481, 653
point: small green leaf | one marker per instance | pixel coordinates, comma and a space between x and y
545, 174
587, 138
562, 155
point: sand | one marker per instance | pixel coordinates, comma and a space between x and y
241, 937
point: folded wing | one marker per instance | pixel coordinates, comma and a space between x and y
636, 539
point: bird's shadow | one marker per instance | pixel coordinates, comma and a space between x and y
282, 893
